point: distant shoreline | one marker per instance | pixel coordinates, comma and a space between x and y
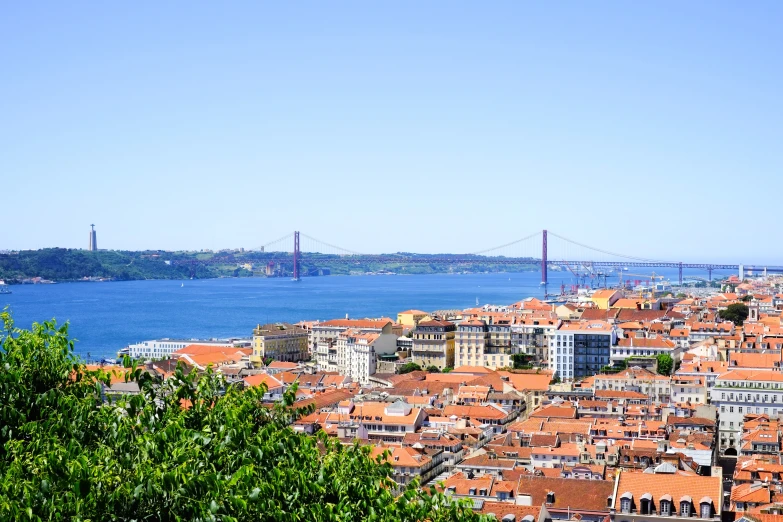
11, 282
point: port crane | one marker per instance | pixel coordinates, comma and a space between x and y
651, 277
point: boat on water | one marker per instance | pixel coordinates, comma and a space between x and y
4, 288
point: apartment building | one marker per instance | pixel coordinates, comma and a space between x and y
689, 389
635, 379
324, 339
578, 350
737, 393
389, 422
470, 339
640, 344
531, 335
281, 342
433, 344
358, 353
411, 462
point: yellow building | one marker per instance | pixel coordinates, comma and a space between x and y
411, 318
281, 342
433, 344
603, 299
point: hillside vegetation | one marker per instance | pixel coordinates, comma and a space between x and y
61, 264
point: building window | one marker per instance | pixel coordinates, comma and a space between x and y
625, 505
666, 508
685, 509
706, 510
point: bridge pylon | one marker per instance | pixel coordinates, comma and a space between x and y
543, 259
296, 256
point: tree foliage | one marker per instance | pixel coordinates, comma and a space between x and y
736, 313
521, 361
665, 364
190, 448
433, 369
410, 367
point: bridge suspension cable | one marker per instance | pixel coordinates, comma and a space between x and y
607, 252
334, 247
288, 237
512, 243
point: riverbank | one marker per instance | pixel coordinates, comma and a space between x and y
69, 265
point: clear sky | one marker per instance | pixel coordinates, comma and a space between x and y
651, 128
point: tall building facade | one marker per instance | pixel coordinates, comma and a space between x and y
279, 341
433, 344
93, 239
578, 350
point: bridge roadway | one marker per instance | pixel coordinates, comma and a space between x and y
288, 257
475, 259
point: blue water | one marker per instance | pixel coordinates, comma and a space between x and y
105, 317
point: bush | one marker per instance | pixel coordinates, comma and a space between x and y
409, 367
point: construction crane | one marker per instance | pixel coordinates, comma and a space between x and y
652, 277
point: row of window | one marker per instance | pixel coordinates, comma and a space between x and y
748, 409
646, 508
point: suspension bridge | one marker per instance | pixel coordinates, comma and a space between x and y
545, 249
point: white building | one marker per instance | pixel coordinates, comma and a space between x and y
689, 389
159, 348
739, 392
640, 345
332, 329
354, 353
361, 353
578, 350
325, 337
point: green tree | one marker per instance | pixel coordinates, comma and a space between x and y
189, 448
433, 369
680, 295
746, 298
409, 367
447, 369
521, 361
665, 364
736, 313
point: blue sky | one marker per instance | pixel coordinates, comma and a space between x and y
647, 128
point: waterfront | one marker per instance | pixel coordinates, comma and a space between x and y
105, 317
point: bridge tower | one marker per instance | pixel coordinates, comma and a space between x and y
680, 273
543, 259
296, 256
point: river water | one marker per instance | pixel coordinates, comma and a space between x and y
105, 317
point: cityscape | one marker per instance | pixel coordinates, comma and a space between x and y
391, 262
609, 404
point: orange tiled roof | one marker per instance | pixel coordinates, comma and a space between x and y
677, 486
263, 378
576, 495
566, 412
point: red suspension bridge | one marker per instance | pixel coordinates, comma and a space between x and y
545, 249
